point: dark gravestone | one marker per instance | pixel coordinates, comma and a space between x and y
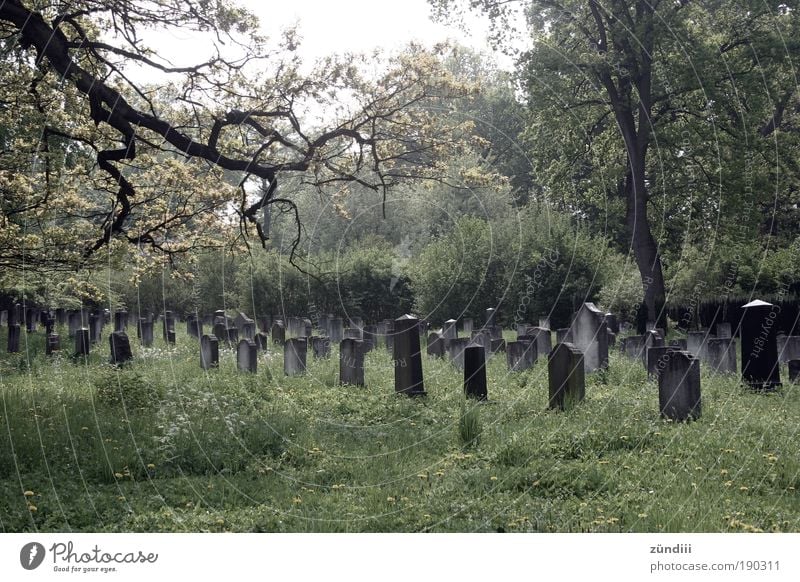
294, 356
497, 345
491, 315
651, 339
261, 340
566, 376
720, 355
320, 346
14, 332
296, 327
449, 330
232, 336
120, 348
679, 343
612, 339
520, 355
220, 331
760, 368
436, 345
613, 323
74, 322
563, 335
146, 332
655, 359
194, 327
209, 352
30, 320
495, 332
82, 342
482, 338
724, 330
407, 357
4, 317
169, 325
278, 333
171, 337
679, 387
248, 330
220, 317
351, 362
49, 326
309, 328
52, 344
336, 329
590, 337
61, 316
95, 327
352, 333
542, 337
247, 356
455, 351
265, 323
120, 320
794, 370
475, 372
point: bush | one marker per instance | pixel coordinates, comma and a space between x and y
127, 389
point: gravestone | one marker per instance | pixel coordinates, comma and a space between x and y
475, 372
436, 345
49, 326
265, 324
467, 326
52, 344
544, 322
563, 336
220, 317
169, 325
491, 315
74, 322
721, 355
352, 333
336, 329
612, 339
146, 332
4, 317
522, 329
407, 358
633, 346
542, 337
495, 332
497, 345
590, 337
294, 356
320, 346
724, 330
82, 342
455, 351
794, 370
14, 332
370, 338
351, 362
209, 352
261, 340
248, 330
788, 347
61, 316
232, 336
520, 355
760, 369
322, 324
278, 333
656, 357
220, 331
194, 327
566, 376
30, 320
651, 339
482, 338
612, 323
95, 327
171, 337
679, 387
696, 342
296, 327
390, 337
120, 348
679, 343
247, 356
120, 320
449, 330
356, 322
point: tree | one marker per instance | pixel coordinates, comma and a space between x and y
606, 81
165, 152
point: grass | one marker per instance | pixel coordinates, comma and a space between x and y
163, 446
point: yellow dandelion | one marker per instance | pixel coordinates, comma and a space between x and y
743, 488
723, 472
118, 475
404, 499
493, 478
151, 466
32, 508
390, 499
422, 476
728, 483
536, 483
642, 515
297, 500
612, 520
28, 493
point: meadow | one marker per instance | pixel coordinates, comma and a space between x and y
162, 446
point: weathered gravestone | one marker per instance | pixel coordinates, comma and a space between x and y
563, 336
475, 372
120, 348
407, 357
261, 340
794, 370
679, 343
449, 330
482, 338
294, 356
220, 331
296, 327
336, 329
209, 352
352, 333
232, 336
612, 323
656, 358
49, 326
351, 362
248, 330
146, 332
278, 333
679, 387
74, 322
720, 355
788, 347
120, 320
31, 315
82, 342
520, 355
321, 346
455, 351
169, 326
497, 345
696, 343
566, 376
633, 346
724, 330
52, 344
247, 356
467, 326
590, 337
95, 327
14, 332
651, 339
4, 317
541, 336
760, 369
436, 345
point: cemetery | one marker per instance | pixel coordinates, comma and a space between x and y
547, 284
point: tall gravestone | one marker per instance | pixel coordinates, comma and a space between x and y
169, 326
321, 346
760, 369
14, 332
261, 340
296, 327
491, 316
542, 337
351, 362
209, 352
95, 327
82, 342
146, 332
566, 376
563, 335
475, 372
590, 337
120, 320
294, 356
74, 322
449, 330
696, 343
724, 330
407, 357
679, 387
651, 339
247, 356
120, 348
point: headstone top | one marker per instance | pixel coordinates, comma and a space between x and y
757, 303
